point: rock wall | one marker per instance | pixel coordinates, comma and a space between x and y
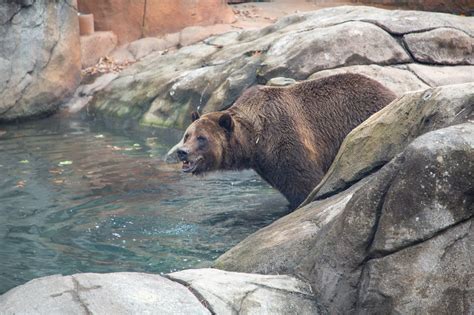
458, 6
164, 88
39, 56
133, 19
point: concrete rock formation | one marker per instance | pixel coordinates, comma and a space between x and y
39, 56
199, 291
165, 87
131, 20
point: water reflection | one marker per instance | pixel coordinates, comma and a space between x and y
78, 198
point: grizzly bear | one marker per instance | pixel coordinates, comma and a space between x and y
288, 135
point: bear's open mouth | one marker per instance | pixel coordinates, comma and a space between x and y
190, 166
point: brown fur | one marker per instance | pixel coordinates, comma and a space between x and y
289, 135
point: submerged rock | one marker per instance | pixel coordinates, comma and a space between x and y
40, 59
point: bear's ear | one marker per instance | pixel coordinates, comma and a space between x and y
225, 121
194, 116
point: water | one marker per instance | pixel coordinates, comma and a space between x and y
75, 197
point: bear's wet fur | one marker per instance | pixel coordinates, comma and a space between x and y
288, 135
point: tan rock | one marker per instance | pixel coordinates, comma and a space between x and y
95, 46
131, 20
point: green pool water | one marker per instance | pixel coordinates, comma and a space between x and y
75, 197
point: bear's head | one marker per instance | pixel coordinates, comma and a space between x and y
205, 142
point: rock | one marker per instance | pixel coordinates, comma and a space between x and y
388, 132
444, 46
395, 242
39, 57
298, 55
84, 93
194, 34
162, 90
144, 46
399, 81
458, 7
437, 76
281, 81
113, 293
273, 249
433, 277
431, 191
122, 54
198, 291
131, 20
96, 46
240, 293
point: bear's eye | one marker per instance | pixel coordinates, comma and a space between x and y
201, 139
186, 136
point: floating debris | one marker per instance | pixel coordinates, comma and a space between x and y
62, 163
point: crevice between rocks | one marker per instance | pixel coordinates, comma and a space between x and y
384, 253
194, 292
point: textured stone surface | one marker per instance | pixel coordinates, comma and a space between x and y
434, 277
399, 81
131, 20
162, 90
243, 293
388, 132
96, 46
113, 293
442, 75
445, 46
298, 55
39, 56
398, 241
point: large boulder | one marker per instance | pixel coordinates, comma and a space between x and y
199, 291
131, 20
40, 57
446, 46
397, 242
163, 88
113, 293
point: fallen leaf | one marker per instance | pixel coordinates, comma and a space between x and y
65, 163
24, 161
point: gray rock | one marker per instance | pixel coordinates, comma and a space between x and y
113, 293
364, 250
388, 132
281, 81
277, 248
432, 190
433, 277
209, 76
398, 80
39, 57
443, 75
243, 293
299, 54
444, 46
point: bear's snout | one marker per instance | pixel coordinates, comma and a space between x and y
182, 154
